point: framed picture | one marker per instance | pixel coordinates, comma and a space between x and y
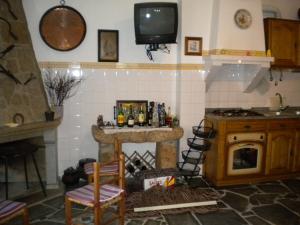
193, 46
136, 106
108, 45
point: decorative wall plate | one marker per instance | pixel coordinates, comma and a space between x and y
62, 28
243, 18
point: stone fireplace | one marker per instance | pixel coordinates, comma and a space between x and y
21, 86
22, 95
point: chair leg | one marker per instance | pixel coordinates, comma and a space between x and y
97, 215
26, 174
122, 210
25, 216
38, 173
6, 178
68, 211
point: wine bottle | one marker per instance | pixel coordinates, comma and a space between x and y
141, 117
120, 117
169, 118
162, 115
130, 118
150, 114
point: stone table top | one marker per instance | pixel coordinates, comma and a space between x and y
136, 135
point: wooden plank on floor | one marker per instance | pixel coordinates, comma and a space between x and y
174, 206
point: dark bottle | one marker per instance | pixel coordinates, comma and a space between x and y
162, 115
130, 168
141, 119
130, 118
150, 114
137, 162
120, 117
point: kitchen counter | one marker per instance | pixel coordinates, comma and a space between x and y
266, 114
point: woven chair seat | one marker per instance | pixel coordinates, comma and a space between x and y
112, 168
85, 194
8, 208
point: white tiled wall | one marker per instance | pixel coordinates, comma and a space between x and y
97, 95
228, 93
191, 101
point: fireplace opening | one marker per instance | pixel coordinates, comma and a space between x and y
16, 171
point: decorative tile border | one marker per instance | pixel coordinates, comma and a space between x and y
137, 66
233, 52
152, 66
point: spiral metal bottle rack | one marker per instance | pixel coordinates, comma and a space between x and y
198, 145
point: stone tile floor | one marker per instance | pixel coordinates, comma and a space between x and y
268, 203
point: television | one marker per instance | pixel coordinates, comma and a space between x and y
155, 22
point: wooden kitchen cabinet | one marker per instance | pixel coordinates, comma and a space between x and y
296, 153
282, 37
280, 143
279, 151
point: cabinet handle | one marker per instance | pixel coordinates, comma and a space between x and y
247, 127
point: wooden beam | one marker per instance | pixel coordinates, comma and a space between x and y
174, 206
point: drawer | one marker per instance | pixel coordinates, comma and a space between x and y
283, 124
246, 125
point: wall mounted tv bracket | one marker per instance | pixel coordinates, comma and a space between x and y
154, 47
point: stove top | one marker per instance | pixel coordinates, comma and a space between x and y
235, 113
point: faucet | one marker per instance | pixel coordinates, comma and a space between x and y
281, 107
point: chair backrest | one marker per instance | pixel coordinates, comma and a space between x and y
97, 169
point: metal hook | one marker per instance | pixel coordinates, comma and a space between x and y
271, 75
281, 75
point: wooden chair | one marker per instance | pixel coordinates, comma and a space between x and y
99, 197
109, 169
10, 209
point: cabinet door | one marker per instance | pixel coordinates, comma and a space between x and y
281, 39
279, 148
296, 153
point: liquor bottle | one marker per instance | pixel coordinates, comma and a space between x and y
130, 118
155, 120
169, 118
162, 115
120, 117
141, 117
150, 114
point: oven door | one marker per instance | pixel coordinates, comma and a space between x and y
245, 158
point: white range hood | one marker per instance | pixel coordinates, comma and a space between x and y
236, 52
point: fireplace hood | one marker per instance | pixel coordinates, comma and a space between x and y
236, 53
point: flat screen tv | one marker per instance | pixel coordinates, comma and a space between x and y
155, 22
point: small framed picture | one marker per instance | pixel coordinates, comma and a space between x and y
193, 46
108, 45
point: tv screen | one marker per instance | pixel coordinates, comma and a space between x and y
155, 22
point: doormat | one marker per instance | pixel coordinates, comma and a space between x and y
156, 196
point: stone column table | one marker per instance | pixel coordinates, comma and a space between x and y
166, 140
